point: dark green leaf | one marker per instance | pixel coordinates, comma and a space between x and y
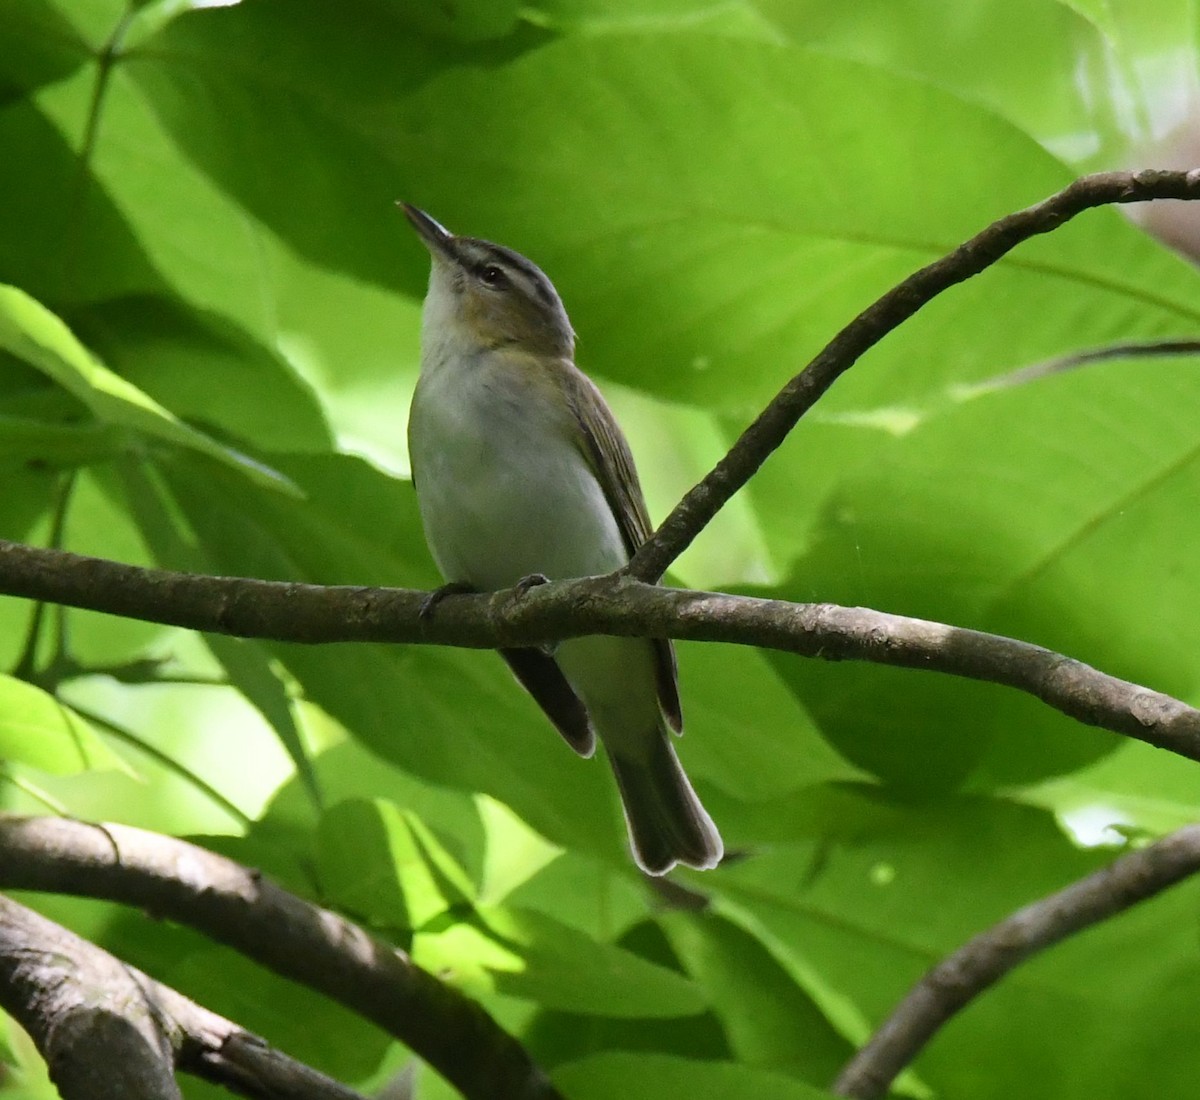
651, 1076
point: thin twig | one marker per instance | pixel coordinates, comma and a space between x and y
987, 958
26, 666
247, 912
1133, 349
692, 514
294, 612
165, 761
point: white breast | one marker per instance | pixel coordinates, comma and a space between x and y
504, 490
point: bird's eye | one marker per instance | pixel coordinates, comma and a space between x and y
492, 275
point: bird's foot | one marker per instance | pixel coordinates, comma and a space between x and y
534, 580
430, 602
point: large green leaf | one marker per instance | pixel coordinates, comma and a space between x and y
1034, 61
41, 46
733, 268
271, 96
868, 911
761, 1006
650, 1076
37, 729
526, 954
735, 18
206, 370
34, 334
305, 1024
1057, 512
382, 864
47, 247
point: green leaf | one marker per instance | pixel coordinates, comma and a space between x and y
347, 772
53, 254
36, 729
1097, 566
763, 1009
275, 100
1023, 58
311, 1027
30, 331
41, 46
384, 865
206, 369
746, 732
61, 446
461, 21
526, 954
1137, 788
249, 670
721, 296
735, 18
651, 1076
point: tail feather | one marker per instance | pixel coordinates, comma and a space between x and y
667, 824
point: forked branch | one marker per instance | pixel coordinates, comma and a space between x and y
246, 911
109, 1032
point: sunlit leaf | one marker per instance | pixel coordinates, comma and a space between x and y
36, 729
532, 956
31, 332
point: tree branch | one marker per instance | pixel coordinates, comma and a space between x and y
287, 611
773, 424
108, 1032
987, 958
307, 944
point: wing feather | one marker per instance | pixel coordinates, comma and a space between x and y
540, 675
607, 451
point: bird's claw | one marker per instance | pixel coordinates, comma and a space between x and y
534, 580
430, 602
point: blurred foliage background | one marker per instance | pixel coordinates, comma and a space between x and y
207, 347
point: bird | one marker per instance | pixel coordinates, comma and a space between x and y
522, 473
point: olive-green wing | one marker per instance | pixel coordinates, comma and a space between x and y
612, 462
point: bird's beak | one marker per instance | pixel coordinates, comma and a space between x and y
435, 236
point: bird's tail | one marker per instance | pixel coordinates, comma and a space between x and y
667, 824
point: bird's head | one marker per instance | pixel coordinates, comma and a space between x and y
490, 296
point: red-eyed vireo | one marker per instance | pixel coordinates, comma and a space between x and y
520, 470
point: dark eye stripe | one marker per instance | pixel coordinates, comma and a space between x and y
516, 269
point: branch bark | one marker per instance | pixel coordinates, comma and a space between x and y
771, 427
109, 1032
984, 960
245, 911
286, 611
